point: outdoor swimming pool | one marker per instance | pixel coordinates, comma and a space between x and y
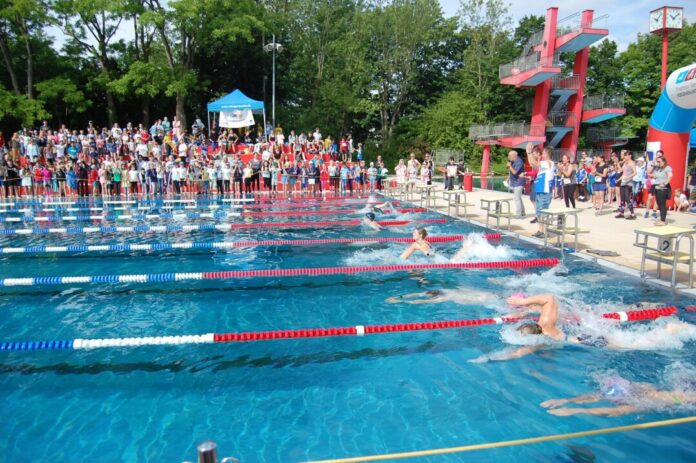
309, 399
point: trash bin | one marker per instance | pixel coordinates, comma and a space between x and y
468, 181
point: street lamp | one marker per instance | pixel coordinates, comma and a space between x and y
272, 47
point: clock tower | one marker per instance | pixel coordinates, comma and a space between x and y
663, 21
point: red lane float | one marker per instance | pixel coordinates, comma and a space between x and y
321, 212
359, 330
319, 271
638, 315
430, 239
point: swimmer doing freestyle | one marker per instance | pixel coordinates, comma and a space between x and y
625, 397
547, 325
370, 221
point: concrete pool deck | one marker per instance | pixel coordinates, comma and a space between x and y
605, 233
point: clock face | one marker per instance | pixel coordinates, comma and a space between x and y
674, 18
657, 20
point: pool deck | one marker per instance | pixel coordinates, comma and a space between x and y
605, 233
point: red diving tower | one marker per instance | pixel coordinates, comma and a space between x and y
560, 104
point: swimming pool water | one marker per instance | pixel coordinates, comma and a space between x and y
298, 400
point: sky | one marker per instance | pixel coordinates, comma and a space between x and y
626, 17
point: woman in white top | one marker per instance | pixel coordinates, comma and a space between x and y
400, 172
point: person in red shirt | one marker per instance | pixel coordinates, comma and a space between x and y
93, 178
343, 148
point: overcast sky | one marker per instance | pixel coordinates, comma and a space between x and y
626, 17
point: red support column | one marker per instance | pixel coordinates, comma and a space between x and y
546, 50
570, 142
485, 162
665, 55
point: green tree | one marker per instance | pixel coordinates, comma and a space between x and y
395, 35
64, 97
92, 25
25, 18
604, 73
185, 26
485, 25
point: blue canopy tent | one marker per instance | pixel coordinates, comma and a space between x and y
692, 139
237, 101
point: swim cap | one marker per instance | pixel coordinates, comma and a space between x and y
615, 387
370, 215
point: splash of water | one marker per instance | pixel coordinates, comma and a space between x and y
476, 248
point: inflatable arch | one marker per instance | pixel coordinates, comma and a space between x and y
672, 119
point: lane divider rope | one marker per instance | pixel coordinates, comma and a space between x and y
290, 272
224, 244
187, 206
250, 336
204, 227
194, 215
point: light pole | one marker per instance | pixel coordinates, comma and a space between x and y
272, 47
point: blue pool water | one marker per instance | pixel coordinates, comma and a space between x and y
291, 401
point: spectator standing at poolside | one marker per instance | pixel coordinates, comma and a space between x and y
661, 176
628, 172
569, 180
516, 180
599, 170
542, 183
691, 180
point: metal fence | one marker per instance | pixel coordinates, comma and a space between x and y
562, 119
603, 101
575, 23
525, 63
505, 129
602, 134
571, 82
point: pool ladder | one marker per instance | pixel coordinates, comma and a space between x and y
207, 453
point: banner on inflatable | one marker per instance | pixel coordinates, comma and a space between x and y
236, 118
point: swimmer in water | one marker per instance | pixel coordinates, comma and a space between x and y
625, 396
381, 208
462, 296
369, 220
547, 325
420, 244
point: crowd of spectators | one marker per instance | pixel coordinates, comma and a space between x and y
619, 183
166, 159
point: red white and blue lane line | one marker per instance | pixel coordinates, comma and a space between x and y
188, 206
204, 227
290, 272
193, 215
357, 330
114, 248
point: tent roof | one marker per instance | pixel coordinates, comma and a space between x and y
693, 138
235, 100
